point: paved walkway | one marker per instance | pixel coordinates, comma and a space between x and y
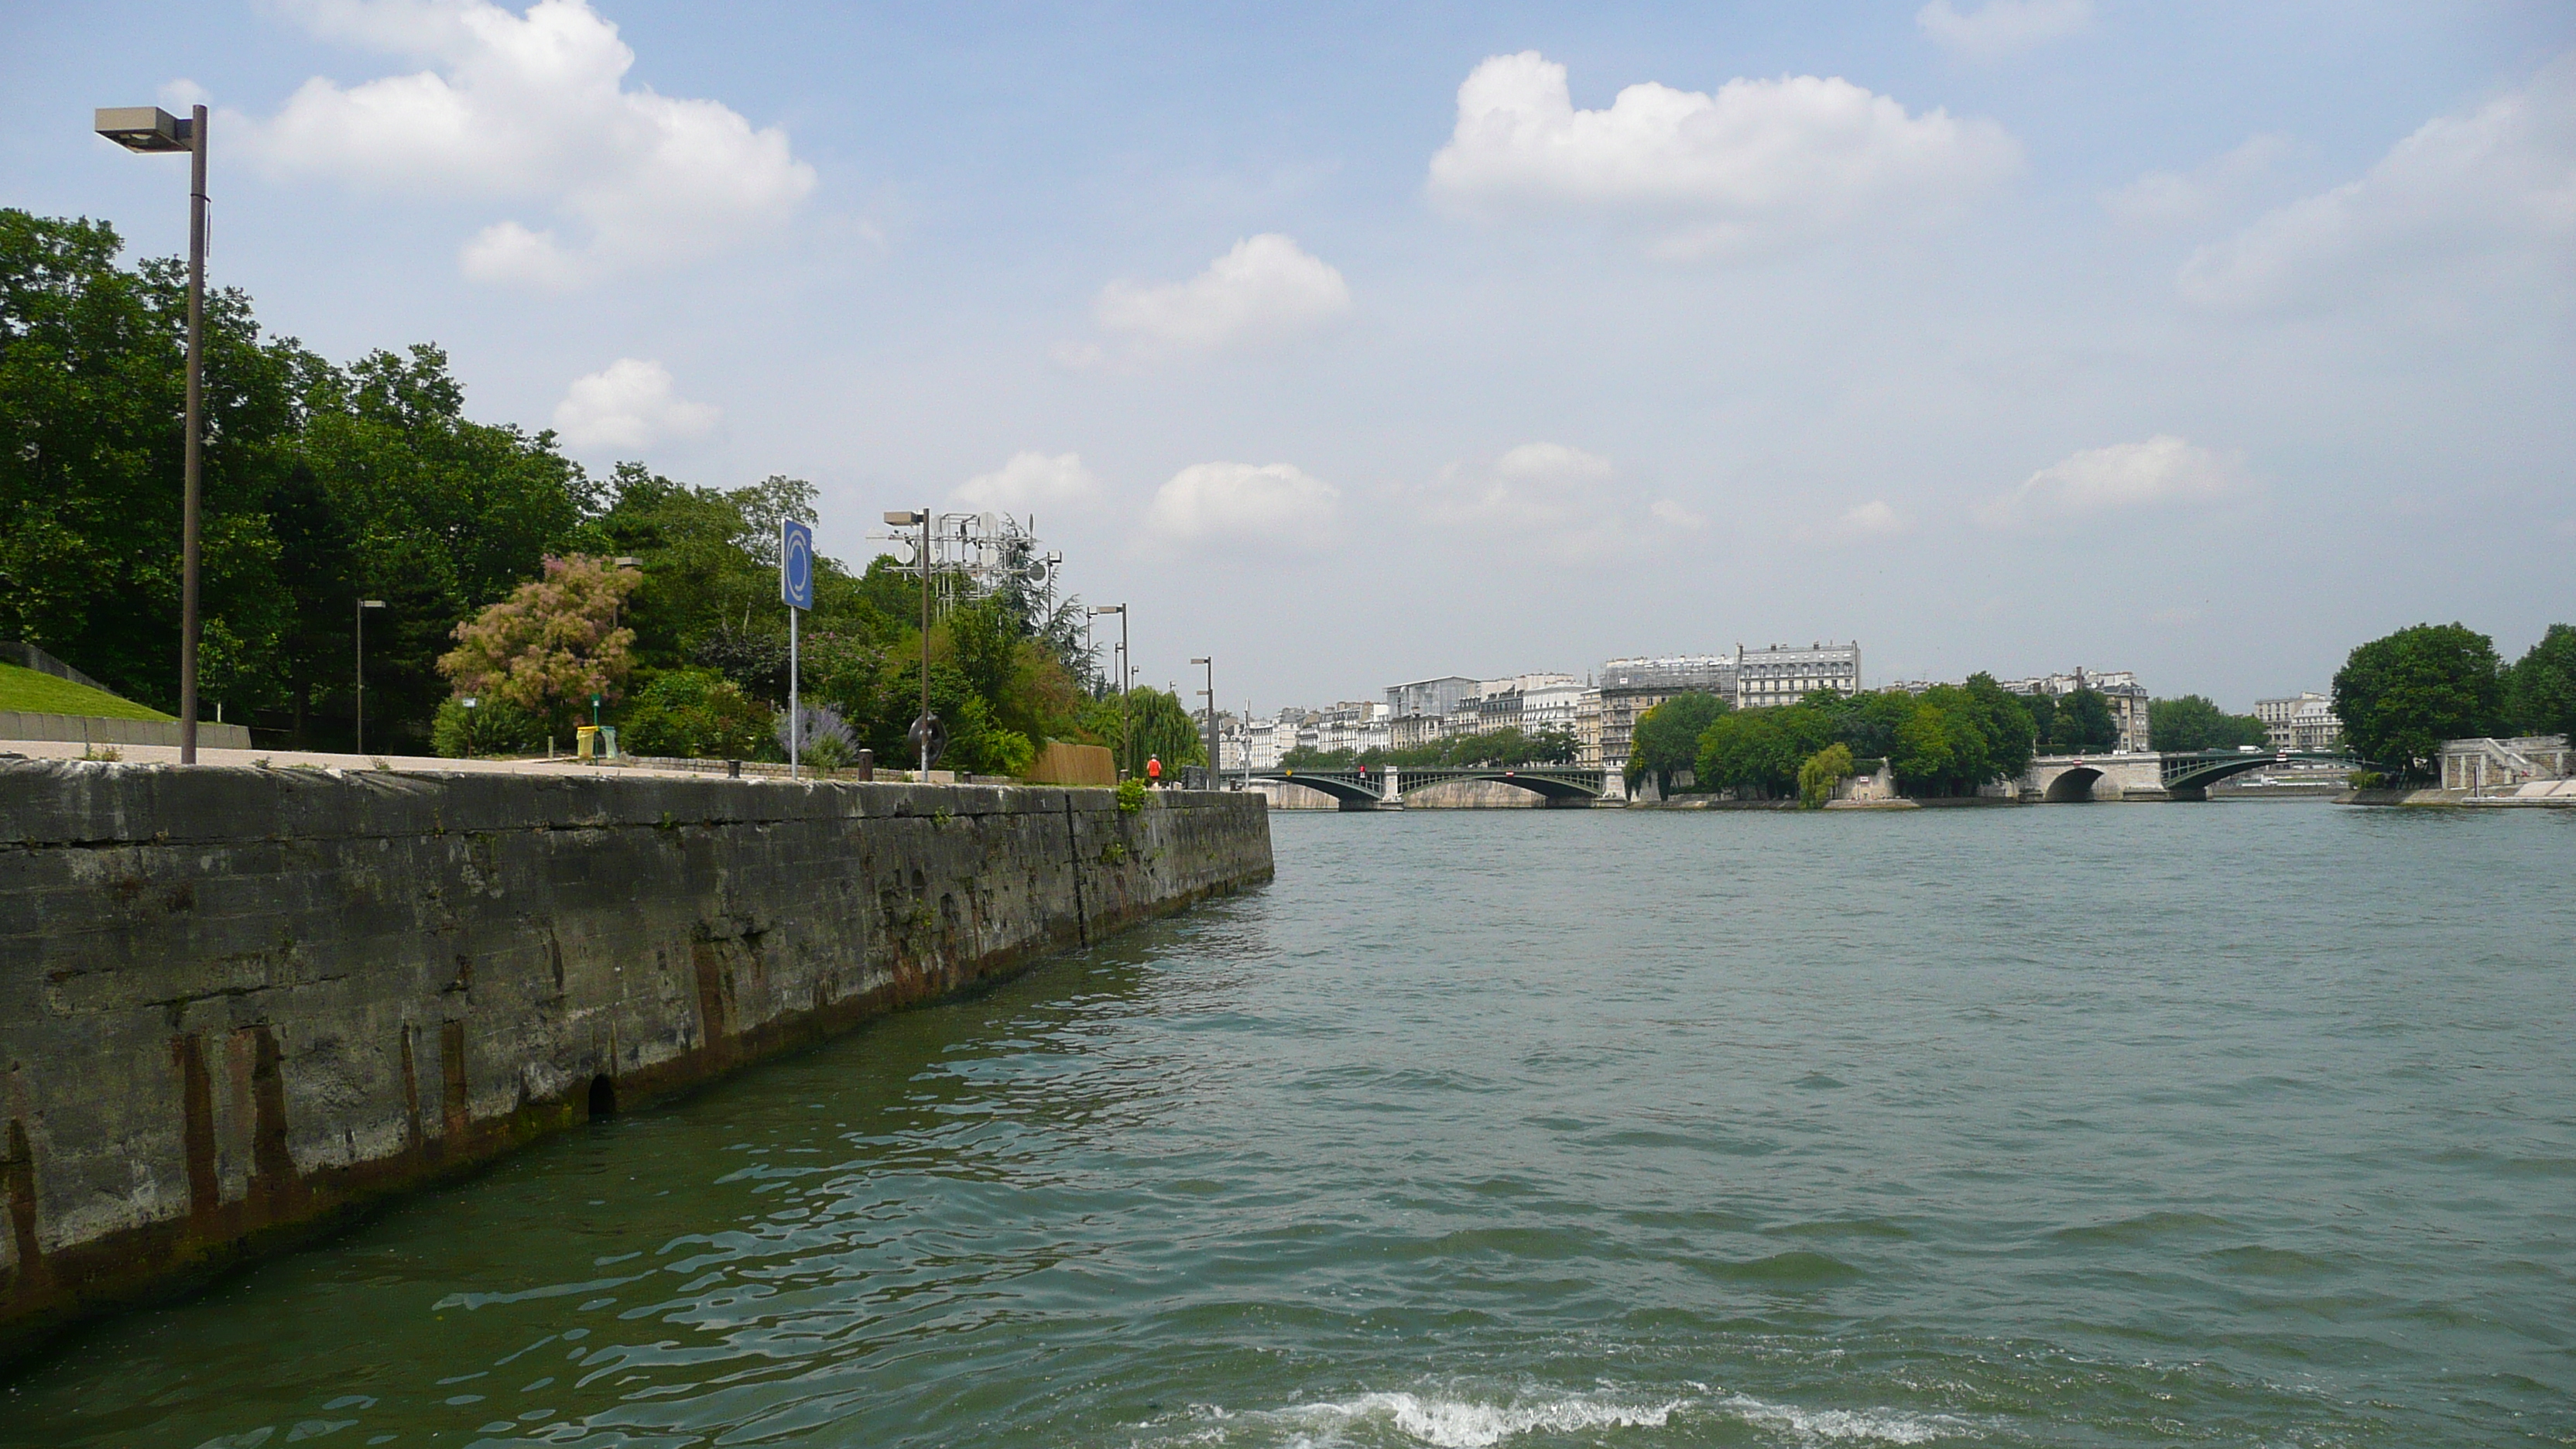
279, 759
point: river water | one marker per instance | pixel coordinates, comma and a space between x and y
2232, 1124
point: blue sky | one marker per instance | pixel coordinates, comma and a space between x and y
1368, 343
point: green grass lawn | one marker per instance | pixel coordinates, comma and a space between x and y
39, 693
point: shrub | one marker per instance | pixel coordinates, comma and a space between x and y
491, 727
821, 734
695, 714
1131, 796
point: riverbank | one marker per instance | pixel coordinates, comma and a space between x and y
238, 1005
2540, 795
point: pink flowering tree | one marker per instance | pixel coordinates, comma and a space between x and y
552, 644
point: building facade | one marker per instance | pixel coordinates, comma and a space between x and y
1777, 675
2119, 688
2303, 721
1630, 687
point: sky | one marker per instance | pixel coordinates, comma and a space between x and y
1354, 344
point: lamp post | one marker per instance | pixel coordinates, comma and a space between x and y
924, 727
189, 736
1121, 611
469, 702
1210, 692
624, 563
151, 129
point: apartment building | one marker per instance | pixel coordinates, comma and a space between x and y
2303, 721
1630, 687
2128, 700
1780, 674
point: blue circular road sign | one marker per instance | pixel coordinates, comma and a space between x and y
796, 564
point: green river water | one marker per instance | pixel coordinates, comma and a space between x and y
2234, 1124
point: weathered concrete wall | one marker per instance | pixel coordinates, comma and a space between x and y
237, 1004
83, 729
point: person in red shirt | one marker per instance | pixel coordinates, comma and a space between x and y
1154, 770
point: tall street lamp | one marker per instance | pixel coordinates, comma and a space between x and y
925, 727
1121, 611
152, 129
1210, 692
363, 606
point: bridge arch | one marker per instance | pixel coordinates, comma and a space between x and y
2072, 784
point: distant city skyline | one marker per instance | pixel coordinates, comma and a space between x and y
1353, 344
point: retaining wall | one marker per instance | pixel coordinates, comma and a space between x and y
238, 1004
90, 729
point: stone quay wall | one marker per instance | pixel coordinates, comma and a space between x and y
238, 1005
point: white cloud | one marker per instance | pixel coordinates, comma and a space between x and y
2484, 198
2001, 28
533, 110
1239, 502
1536, 488
181, 93
1759, 164
1031, 481
632, 404
2177, 198
2162, 470
1560, 501
1266, 289
1873, 517
1673, 515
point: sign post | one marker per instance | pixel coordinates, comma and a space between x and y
796, 590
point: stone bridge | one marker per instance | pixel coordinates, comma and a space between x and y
2172, 775
1384, 787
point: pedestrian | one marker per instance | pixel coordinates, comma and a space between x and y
1154, 770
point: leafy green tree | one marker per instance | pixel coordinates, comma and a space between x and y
1824, 770
2083, 724
1666, 738
2004, 721
2194, 723
448, 514
1161, 727
92, 409
2400, 696
2540, 689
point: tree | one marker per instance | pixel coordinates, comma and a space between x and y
2400, 696
92, 409
552, 645
1824, 770
1666, 738
2004, 719
2540, 690
1160, 727
448, 514
2194, 723
2083, 723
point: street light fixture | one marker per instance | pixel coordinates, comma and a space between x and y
1210, 692
363, 606
1124, 744
150, 129
924, 728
